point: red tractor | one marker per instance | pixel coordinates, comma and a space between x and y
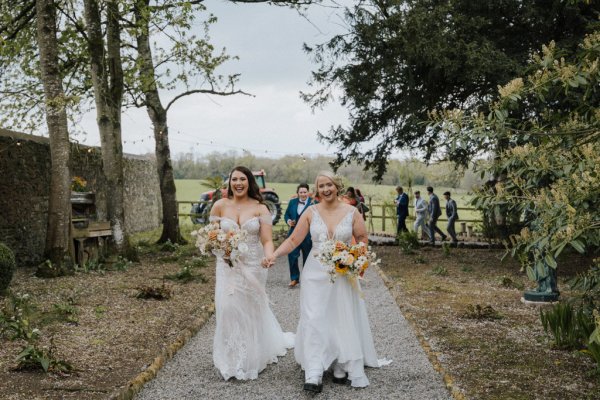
270, 199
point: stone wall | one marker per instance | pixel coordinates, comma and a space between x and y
24, 188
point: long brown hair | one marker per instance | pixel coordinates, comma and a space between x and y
253, 189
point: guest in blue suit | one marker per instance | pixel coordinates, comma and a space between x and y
401, 209
295, 208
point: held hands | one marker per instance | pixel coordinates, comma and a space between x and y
291, 222
268, 262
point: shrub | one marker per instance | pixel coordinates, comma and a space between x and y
7, 267
408, 242
565, 323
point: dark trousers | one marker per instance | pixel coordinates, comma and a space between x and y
451, 230
433, 229
293, 257
402, 224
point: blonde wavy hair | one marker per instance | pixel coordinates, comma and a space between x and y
336, 179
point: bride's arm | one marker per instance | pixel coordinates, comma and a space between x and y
300, 232
359, 229
266, 231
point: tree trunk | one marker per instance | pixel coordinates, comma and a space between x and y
158, 116
107, 79
59, 202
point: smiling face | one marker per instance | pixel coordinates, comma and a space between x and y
302, 194
238, 183
326, 189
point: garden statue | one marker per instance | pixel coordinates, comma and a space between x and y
547, 290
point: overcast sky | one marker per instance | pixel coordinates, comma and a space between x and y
273, 67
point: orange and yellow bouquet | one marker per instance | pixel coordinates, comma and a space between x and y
229, 245
346, 260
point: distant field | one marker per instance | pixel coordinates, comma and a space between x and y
190, 189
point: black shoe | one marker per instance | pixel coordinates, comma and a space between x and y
340, 381
313, 387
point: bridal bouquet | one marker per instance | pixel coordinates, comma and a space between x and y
229, 245
342, 259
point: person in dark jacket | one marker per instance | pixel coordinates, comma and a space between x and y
452, 214
434, 213
401, 209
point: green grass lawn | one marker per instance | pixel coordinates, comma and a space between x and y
190, 190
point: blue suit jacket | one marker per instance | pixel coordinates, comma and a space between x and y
292, 213
402, 205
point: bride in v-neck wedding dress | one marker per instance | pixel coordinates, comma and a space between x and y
248, 337
333, 330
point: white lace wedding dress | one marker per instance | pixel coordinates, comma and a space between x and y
247, 335
334, 326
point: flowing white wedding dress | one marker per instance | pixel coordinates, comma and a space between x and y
334, 326
247, 335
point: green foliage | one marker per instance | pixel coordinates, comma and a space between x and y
17, 320
569, 326
399, 60
439, 271
420, 260
32, 357
543, 129
168, 246
593, 344
122, 264
408, 242
90, 265
479, 312
66, 311
446, 249
508, 283
586, 288
7, 267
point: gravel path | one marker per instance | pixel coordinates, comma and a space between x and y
191, 374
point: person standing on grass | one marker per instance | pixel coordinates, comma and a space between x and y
294, 211
420, 216
452, 214
401, 209
434, 213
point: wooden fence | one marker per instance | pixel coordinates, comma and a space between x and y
380, 218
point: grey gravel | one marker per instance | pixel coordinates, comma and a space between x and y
191, 374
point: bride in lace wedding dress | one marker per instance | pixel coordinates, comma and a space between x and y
247, 335
333, 330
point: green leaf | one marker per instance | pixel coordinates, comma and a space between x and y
550, 260
45, 363
577, 245
541, 271
560, 249
530, 273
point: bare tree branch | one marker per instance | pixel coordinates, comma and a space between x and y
206, 91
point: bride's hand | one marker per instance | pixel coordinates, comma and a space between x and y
268, 262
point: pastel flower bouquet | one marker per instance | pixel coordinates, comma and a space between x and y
229, 245
346, 260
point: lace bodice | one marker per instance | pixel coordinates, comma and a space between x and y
318, 229
252, 227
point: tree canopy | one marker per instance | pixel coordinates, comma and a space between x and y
401, 59
550, 173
